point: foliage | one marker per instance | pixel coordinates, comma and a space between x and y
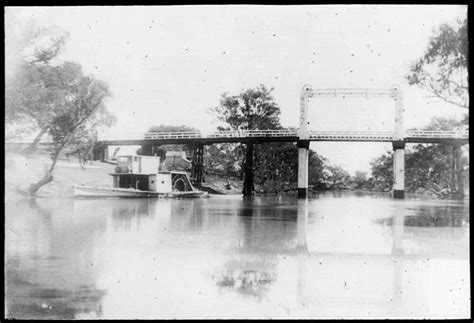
426, 165
443, 69
150, 149
336, 176
171, 128
276, 162
55, 95
446, 124
251, 109
224, 159
31, 43
317, 176
359, 180
382, 172
30, 91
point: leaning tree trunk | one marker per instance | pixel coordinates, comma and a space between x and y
34, 145
48, 175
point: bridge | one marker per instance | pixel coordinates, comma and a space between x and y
302, 136
261, 136
249, 137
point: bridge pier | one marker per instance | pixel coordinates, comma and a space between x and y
398, 169
197, 168
248, 188
303, 147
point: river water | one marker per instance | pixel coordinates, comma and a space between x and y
332, 256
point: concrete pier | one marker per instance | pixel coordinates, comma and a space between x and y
398, 147
398, 169
303, 147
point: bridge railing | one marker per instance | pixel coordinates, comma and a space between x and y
461, 134
349, 135
253, 133
354, 135
221, 134
173, 135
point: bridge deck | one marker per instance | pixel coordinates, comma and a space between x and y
262, 136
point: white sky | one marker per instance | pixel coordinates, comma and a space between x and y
170, 64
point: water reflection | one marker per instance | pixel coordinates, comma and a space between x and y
266, 231
409, 274
303, 256
443, 216
127, 216
43, 279
279, 257
302, 250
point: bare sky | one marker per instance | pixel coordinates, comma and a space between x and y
170, 64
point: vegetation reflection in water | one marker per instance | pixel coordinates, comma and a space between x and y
273, 256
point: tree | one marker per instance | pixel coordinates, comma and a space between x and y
337, 176
316, 170
251, 109
84, 139
150, 149
427, 166
382, 172
224, 159
276, 164
172, 128
30, 89
56, 95
83, 101
359, 180
443, 69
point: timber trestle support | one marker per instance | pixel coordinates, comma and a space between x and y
197, 165
248, 188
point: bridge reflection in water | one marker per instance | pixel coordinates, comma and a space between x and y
228, 257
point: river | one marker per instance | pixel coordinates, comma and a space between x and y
335, 255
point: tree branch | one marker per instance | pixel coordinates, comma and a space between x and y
437, 94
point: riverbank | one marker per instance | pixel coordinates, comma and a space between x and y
21, 171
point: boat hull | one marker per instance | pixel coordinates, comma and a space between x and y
105, 192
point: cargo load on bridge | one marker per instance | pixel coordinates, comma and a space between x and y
139, 176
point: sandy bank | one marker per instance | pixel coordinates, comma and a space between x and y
20, 172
